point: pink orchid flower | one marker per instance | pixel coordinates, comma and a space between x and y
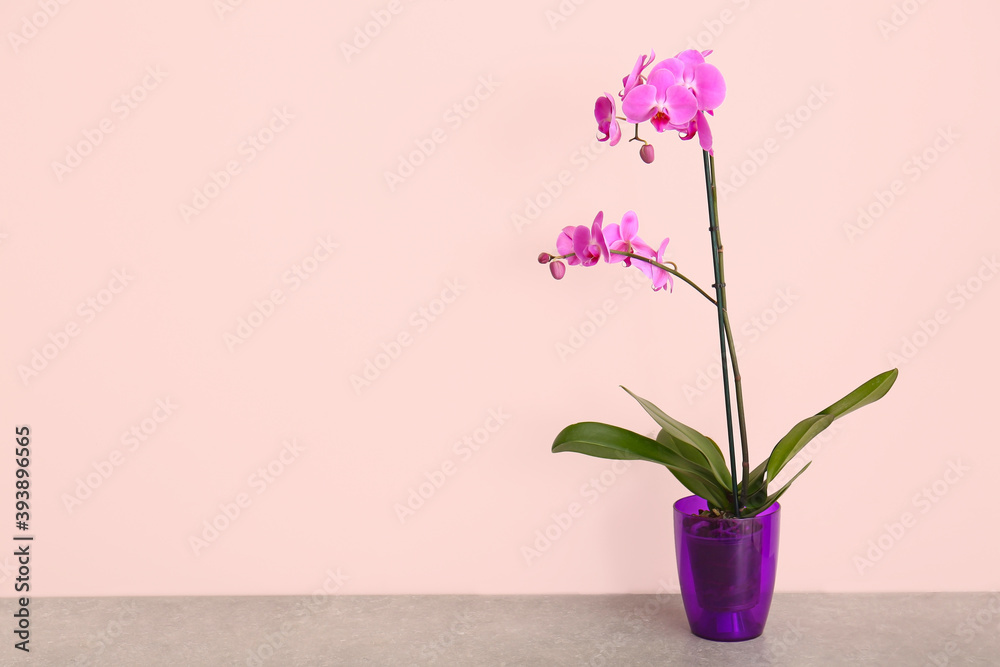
706, 84
662, 100
635, 78
564, 245
625, 238
607, 120
588, 243
703, 80
661, 278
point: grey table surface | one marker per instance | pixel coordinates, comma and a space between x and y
595, 630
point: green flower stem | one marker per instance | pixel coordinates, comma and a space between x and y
726, 335
738, 381
673, 271
720, 298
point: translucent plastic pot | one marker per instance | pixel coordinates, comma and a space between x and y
726, 569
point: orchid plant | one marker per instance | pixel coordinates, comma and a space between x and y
679, 94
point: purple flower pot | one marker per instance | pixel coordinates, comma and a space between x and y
726, 569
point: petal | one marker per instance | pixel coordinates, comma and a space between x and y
646, 268
564, 244
633, 78
681, 104
704, 133
598, 237
581, 239
709, 86
672, 65
651, 58
661, 123
688, 130
612, 234
640, 104
616, 132
604, 109
662, 80
640, 247
692, 57
691, 60
663, 249
603, 131
630, 225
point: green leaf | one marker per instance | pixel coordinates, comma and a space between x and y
864, 395
771, 499
611, 442
756, 482
793, 442
807, 429
718, 495
689, 439
691, 453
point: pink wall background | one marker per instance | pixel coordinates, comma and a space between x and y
842, 104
